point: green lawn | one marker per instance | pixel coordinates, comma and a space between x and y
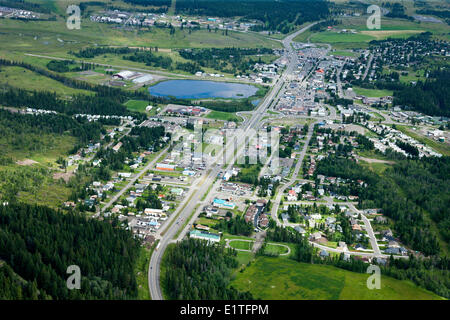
286, 279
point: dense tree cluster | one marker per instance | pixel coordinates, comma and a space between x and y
39, 244
196, 270
151, 59
411, 192
236, 226
92, 52
408, 148
430, 97
229, 106
231, 60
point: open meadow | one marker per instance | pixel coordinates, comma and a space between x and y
286, 279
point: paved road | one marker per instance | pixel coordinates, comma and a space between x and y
131, 183
276, 203
368, 227
202, 187
369, 63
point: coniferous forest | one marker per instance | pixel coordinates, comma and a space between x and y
39, 243
195, 270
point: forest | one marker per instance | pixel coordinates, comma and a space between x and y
431, 97
39, 243
280, 16
229, 60
413, 193
236, 226
194, 270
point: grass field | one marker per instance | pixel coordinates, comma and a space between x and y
243, 245
286, 279
372, 93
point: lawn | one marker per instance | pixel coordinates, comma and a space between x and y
286, 279
372, 93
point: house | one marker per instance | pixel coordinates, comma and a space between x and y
315, 236
356, 227
324, 254
117, 146
177, 191
201, 227
223, 204
292, 195
300, 230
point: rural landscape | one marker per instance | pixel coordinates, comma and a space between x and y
224, 150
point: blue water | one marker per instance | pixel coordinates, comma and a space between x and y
201, 89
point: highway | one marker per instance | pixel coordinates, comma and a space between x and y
202, 185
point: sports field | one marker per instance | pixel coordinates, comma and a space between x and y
286, 279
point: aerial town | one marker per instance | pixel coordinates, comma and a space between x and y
288, 150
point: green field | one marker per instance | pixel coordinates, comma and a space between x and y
274, 249
333, 37
286, 279
372, 93
343, 53
219, 115
243, 245
29, 80
440, 147
136, 105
